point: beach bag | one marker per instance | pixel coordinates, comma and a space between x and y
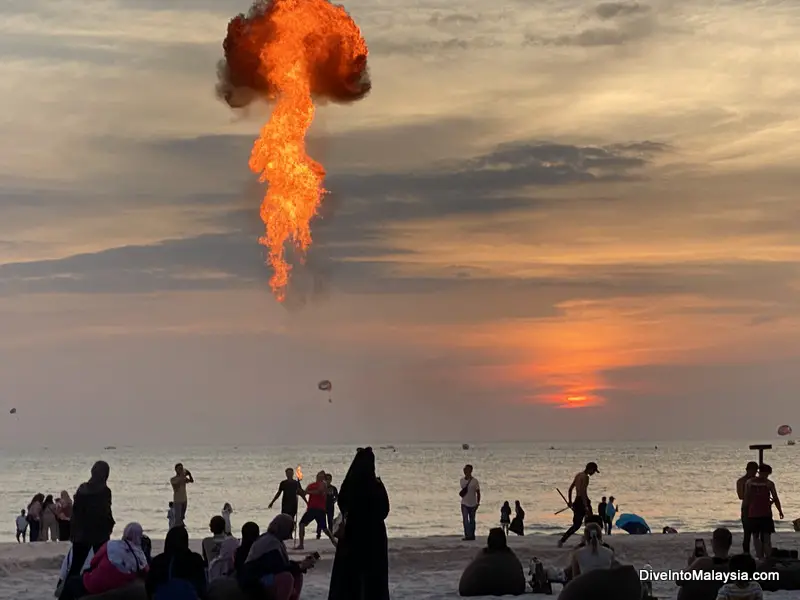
176, 589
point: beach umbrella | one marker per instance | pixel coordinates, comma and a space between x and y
784, 430
633, 524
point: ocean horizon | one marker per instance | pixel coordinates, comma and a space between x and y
688, 485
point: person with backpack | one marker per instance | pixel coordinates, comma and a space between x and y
177, 573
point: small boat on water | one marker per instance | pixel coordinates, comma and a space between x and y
465, 446
392, 448
791, 443
110, 448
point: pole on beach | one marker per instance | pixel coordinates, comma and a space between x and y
565, 502
761, 448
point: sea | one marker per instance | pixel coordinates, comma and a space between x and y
687, 485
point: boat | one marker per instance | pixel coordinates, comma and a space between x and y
465, 446
110, 448
790, 443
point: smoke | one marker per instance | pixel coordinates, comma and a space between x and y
336, 74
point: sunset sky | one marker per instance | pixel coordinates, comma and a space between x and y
549, 219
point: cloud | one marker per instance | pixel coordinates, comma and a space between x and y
611, 10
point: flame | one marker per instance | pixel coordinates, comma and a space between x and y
299, 473
290, 52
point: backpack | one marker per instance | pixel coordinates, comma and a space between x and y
175, 589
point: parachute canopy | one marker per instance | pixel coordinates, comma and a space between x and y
325, 385
784, 430
13, 411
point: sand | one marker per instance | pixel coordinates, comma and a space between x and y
421, 568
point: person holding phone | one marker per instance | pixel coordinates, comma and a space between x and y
470, 493
721, 541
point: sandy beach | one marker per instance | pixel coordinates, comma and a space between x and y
420, 568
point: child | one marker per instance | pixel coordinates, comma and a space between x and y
505, 516
741, 589
227, 509
22, 526
171, 515
611, 511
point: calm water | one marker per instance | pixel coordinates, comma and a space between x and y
690, 486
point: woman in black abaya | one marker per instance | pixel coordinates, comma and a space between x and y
361, 567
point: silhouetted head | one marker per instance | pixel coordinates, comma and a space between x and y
100, 472
743, 563
321, 477
751, 468
177, 540
764, 471
48, 500
591, 468
281, 527
611, 499
179, 468
289, 473
217, 525
506, 504
467, 471
328, 478
603, 499
250, 533
496, 542
721, 541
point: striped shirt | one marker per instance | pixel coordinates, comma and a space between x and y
732, 591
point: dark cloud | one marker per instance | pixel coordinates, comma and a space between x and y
611, 10
438, 18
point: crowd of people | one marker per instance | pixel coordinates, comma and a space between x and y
258, 563
45, 519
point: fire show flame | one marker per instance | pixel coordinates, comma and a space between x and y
291, 53
299, 473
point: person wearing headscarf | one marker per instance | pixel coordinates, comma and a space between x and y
224, 564
268, 568
361, 566
34, 516
48, 520
64, 514
92, 521
250, 533
115, 565
177, 562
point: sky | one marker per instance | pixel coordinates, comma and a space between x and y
548, 220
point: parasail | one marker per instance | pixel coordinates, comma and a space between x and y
13, 411
784, 430
326, 386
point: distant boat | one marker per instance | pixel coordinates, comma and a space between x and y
465, 446
790, 443
392, 448
110, 448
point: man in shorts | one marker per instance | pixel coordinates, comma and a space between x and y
317, 493
749, 472
759, 495
581, 506
288, 491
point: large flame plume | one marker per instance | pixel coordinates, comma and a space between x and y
291, 53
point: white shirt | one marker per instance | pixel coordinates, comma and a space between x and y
470, 499
227, 516
589, 561
22, 523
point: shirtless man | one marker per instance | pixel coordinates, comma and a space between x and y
749, 472
581, 506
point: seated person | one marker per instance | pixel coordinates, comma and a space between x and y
176, 572
268, 568
224, 565
250, 533
593, 555
721, 541
669, 530
495, 571
116, 564
212, 545
618, 583
741, 590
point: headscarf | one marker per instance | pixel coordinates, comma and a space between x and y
127, 554
133, 533
281, 527
100, 472
177, 540
279, 530
359, 480
65, 498
496, 542
224, 564
250, 533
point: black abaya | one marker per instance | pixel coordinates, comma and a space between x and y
361, 566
